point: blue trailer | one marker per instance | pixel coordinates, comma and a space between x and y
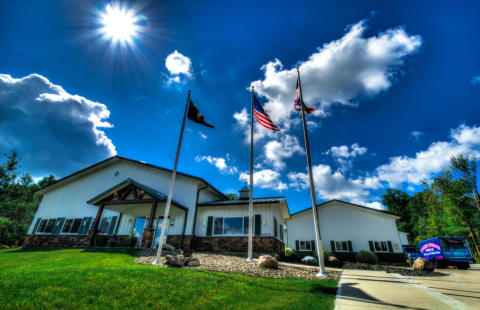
447, 251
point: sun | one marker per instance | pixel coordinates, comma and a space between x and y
119, 24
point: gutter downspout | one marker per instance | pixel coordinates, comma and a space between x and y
195, 216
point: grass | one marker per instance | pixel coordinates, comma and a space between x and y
109, 278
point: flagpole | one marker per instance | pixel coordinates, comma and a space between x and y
318, 238
250, 194
172, 183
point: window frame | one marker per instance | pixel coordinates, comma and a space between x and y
42, 226
304, 245
381, 243
69, 232
244, 225
342, 243
109, 219
52, 226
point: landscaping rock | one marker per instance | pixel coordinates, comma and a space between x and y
187, 252
276, 256
310, 260
267, 261
334, 262
3, 246
193, 263
421, 264
168, 247
175, 260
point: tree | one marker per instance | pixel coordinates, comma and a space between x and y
18, 201
465, 168
232, 196
397, 203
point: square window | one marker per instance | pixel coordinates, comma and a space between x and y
308, 246
42, 226
50, 224
76, 226
67, 226
384, 246
232, 225
105, 224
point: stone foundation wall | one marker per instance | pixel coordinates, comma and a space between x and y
351, 256
239, 244
176, 240
56, 241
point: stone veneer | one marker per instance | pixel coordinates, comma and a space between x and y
56, 241
239, 244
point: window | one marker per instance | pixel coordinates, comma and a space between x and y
380, 246
43, 225
75, 226
104, 225
230, 225
50, 224
305, 246
341, 246
67, 226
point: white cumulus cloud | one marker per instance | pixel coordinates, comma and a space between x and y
179, 66
52, 130
344, 151
266, 178
276, 151
219, 162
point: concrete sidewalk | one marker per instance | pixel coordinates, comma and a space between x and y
365, 289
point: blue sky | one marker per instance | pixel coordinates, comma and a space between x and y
396, 87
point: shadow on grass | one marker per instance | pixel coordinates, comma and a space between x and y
128, 251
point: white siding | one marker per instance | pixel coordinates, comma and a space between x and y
71, 199
403, 237
266, 211
341, 222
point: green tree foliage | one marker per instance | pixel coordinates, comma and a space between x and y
18, 202
446, 206
232, 196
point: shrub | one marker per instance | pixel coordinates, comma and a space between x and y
288, 252
326, 255
11, 231
367, 257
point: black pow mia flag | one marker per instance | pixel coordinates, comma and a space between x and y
196, 116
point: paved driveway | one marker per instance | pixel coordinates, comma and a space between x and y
362, 289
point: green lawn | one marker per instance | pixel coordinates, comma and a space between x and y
109, 278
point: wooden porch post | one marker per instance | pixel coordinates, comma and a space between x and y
153, 210
147, 238
93, 231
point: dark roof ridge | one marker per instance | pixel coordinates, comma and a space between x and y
346, 202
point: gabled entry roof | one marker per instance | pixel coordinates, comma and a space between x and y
147, 189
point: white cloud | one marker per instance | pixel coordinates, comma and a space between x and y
340, 72
52, 130
344, 151
416, 135
334, 185
202, 135
265, 178
404, 169
219, 162
241, 118
178, 63
277, 151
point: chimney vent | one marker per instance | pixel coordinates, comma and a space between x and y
244, 193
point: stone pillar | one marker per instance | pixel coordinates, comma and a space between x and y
93, 231
147, 237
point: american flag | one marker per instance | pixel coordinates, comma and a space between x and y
297, 102
261, 116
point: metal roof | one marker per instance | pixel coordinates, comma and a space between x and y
348, 203
42, 190
242, 201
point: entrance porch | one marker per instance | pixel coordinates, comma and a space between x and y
141, 211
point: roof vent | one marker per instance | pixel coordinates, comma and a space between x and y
244, 193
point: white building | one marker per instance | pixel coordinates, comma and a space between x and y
345, 229
113, 200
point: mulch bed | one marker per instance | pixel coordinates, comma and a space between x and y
239, 265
